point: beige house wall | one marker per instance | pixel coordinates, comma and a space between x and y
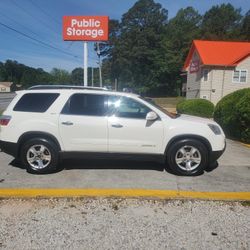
231, 86
206, 86
4, 88
220, 82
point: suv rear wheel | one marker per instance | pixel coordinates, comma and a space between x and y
187, 157
39, 156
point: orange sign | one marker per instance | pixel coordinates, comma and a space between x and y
85, 28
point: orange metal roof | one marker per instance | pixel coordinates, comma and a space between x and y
218, 53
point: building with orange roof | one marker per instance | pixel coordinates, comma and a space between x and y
216, 68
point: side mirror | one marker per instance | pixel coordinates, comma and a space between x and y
151, 116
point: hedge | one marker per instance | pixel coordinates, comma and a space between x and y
197, 107
233, 114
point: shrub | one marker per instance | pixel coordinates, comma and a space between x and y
233, 114
198, 107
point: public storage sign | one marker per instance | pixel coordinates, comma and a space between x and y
85, 28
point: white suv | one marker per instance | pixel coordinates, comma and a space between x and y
47, 123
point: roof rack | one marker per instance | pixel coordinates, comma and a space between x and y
40, 87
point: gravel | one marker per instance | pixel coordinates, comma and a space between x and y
123, 224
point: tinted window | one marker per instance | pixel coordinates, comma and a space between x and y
35, 102
129, 108
86, 104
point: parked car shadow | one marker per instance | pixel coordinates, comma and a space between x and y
70, 164
110, 164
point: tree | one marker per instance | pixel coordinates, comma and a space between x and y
181, 31
136, 53
77, 76
221, 22
60, 76
3, 73
245, 27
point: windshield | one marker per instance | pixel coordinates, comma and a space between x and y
151, 101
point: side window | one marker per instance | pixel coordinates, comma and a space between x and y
35, 102
205, 73
113, 103
240, 76
86, 104
129, 108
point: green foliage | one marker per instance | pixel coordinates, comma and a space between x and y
77, 76
181, 31
27, 76
136, 55
197, 107
233, 114
60, 76
221, 22
245, 27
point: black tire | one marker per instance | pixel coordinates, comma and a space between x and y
50, 151
175, 153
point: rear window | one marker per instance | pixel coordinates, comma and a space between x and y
35, 102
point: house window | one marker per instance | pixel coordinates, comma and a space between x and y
240, 75
205, 97
205, 75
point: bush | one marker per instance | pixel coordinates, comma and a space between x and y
198, 107
233, 114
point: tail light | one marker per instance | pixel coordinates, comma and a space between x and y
4, 120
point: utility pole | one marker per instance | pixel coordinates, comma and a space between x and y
92, 76
116, 85
99, 62
85, 63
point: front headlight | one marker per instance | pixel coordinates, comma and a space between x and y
216, 129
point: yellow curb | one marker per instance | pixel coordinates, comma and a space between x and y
246, 145
132, 193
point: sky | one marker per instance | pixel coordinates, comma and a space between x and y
42, 20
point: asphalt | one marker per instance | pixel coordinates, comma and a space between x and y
231, 175
5, 99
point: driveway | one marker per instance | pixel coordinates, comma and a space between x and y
5, 99
232, 174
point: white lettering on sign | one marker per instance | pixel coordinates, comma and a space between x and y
88, 32
85, 23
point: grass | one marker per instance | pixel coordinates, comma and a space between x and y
168, 102
245, 203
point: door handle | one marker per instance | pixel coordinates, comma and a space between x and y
116, 125
68, 123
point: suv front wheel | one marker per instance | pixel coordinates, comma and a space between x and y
39, 156
187, 157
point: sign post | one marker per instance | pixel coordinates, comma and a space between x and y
85, 28
85, 64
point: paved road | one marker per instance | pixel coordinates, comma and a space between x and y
5, 99
232, 174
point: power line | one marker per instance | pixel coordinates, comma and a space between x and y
44, 12
39, 41
69, 46
18, 23
35, 17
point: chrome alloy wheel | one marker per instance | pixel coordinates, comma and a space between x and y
188, 158
38, 156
